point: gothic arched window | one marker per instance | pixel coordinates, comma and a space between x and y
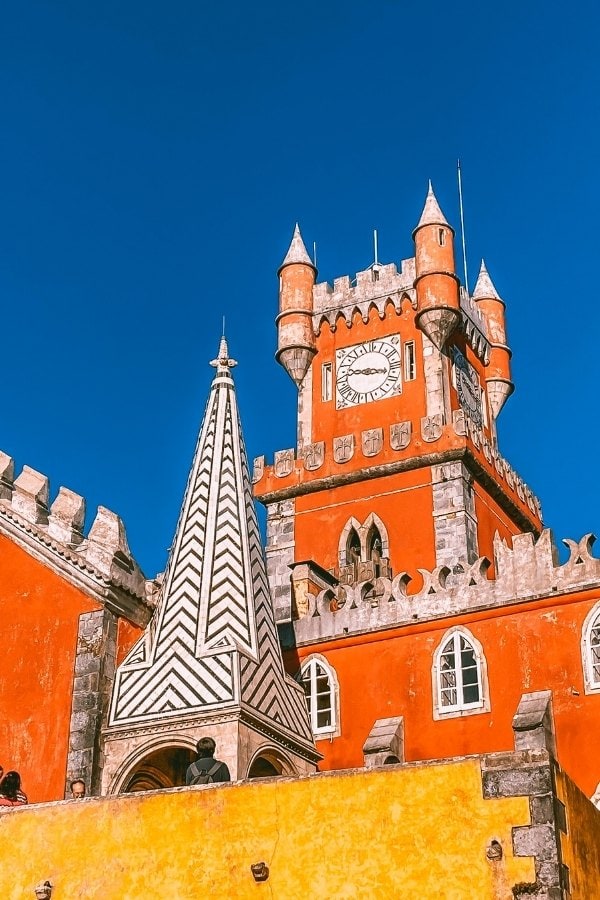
320, 686
352, 547
590, 648
459, 669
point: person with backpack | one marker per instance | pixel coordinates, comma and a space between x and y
206, 769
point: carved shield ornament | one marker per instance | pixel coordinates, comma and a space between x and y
314, 455
431, 427
400, 434
258, 469
372, 441
284, 462
343, 448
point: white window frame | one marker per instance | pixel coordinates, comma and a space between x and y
410, 348
590, 639
311, 664
326, 382
460, 707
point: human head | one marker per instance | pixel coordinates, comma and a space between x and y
10, 785
206, 747
78, 789
43, 890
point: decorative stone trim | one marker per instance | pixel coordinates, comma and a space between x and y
385, 740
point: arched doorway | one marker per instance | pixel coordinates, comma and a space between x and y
269, 763
162, 768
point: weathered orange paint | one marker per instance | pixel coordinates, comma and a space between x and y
528, 647
40, 613
127, 635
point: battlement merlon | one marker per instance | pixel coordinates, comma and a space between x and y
99, 563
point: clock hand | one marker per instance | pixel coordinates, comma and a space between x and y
366, 371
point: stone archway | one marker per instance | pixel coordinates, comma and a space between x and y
269, 762
164, 767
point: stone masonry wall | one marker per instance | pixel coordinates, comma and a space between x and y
454, 516
94, 673
280, 555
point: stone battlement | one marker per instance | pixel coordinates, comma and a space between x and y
100, 560
526, 571
374, 286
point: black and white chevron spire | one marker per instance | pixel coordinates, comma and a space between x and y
212, 643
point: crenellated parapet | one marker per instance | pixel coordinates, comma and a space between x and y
99, 563
374, 287
528, 570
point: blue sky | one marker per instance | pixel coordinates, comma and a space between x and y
154, 158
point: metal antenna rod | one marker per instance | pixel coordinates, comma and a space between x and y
375, 245
462, 225
315, 253
223, 326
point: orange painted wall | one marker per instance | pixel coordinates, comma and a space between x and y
533, 647
127, 635
403, 502
40, 613
491, 519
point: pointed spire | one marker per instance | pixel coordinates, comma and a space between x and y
212, 644
432, 214
297, 252
484, 289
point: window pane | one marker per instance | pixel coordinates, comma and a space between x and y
449, 697
471, 693
324, 718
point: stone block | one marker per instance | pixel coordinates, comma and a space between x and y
535, 840
533, 723
67, 515
30, 496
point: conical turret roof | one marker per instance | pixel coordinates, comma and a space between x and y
484, 288
432, 214
212, 643
297, 252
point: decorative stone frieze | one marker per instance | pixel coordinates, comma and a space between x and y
526, 570
459, 422
400, 434
343, 448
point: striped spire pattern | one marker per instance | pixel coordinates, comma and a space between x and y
212, 643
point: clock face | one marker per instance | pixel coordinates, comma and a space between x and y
369, 371
467, 386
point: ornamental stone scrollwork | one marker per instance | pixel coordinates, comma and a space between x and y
400, 434
343, 448
258, 469
431, 427
487, 450
459, 422
510, 476
314, 455
520, 491
372, 441
284, 463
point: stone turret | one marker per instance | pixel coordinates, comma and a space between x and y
296, 340
498, 380
436, 282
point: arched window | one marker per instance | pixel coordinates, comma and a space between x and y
458, 671
374, 549
320, 686
590, 649
352, 547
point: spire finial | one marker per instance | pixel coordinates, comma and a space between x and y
432, 214
297, 252
223, 362
484, 288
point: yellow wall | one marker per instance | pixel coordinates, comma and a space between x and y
580, 846
411, 832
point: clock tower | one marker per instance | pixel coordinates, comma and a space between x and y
401, 374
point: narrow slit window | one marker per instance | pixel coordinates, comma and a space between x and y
410, 367
326, 381
442, 237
